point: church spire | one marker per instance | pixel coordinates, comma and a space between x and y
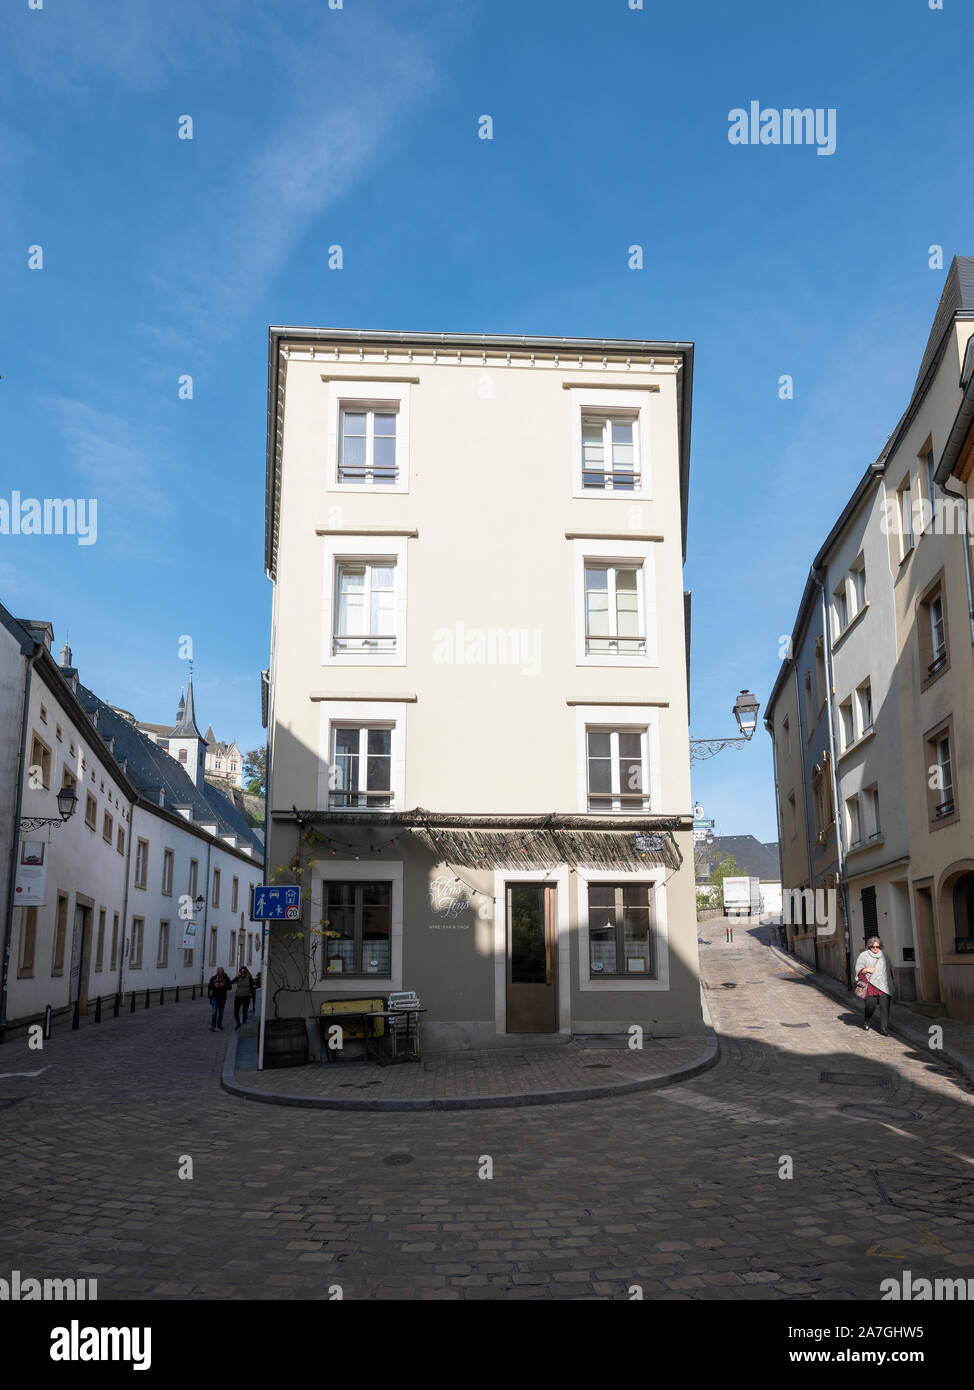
186, 728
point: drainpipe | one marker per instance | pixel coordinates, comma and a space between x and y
829, 694
206, 918
778, 818
125, 900
962, 494
8, 924
808, 838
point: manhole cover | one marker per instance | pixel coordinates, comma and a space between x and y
892, 1114
727, 984
851, 1078
796, 1025
598, 1066
397, 1160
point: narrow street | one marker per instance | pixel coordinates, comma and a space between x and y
677, 1191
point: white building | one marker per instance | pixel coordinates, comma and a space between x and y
102, 901
478, 677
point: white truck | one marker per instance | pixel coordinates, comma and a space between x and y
742, 897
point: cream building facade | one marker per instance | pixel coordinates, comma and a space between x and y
927, 490
893, 580
99, 903
478, 693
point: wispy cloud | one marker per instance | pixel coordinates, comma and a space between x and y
338, 120
139, 45
112, 458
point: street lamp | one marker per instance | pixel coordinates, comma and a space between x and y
745, 710
67, 801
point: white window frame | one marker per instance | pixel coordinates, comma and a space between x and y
871, 795
854, 821
841, 598
607, 418
389, 714
631, 719
937, 652
949, 761
864, 728
657, 877
375, 871
904, 502
626, 554
847, 723
368, 395
641, 405
626, 806
360, 549
858, 576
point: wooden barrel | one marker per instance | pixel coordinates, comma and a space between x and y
285, 1042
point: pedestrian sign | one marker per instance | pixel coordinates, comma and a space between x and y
275, 902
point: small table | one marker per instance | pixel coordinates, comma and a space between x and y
326, 1021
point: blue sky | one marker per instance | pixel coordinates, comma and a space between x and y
358, 126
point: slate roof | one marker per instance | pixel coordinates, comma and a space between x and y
957, 298
757, 860
151, 769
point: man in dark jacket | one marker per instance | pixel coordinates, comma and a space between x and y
218, 991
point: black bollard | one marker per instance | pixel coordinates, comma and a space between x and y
177, 995
132, 1009
162, 996
147, 1000
76, 1017
98, 1009
48, 1021
118, 1004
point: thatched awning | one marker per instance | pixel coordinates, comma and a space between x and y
489, 841
484, 848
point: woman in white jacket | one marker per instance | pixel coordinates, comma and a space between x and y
873, 969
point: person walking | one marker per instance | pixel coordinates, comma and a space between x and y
874, 977
219, 988
242, 992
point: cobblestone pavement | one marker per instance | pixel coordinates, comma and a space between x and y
677, 1190
484, 1073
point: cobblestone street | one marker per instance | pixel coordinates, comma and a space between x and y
676, 1190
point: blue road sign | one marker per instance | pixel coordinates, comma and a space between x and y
275, 902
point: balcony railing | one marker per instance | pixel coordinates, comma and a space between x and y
361, 473
353, 800
946, 808
614, 480
635, 801
343, 642
615, 646
938, 663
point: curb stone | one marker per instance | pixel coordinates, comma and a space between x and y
708, 1058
